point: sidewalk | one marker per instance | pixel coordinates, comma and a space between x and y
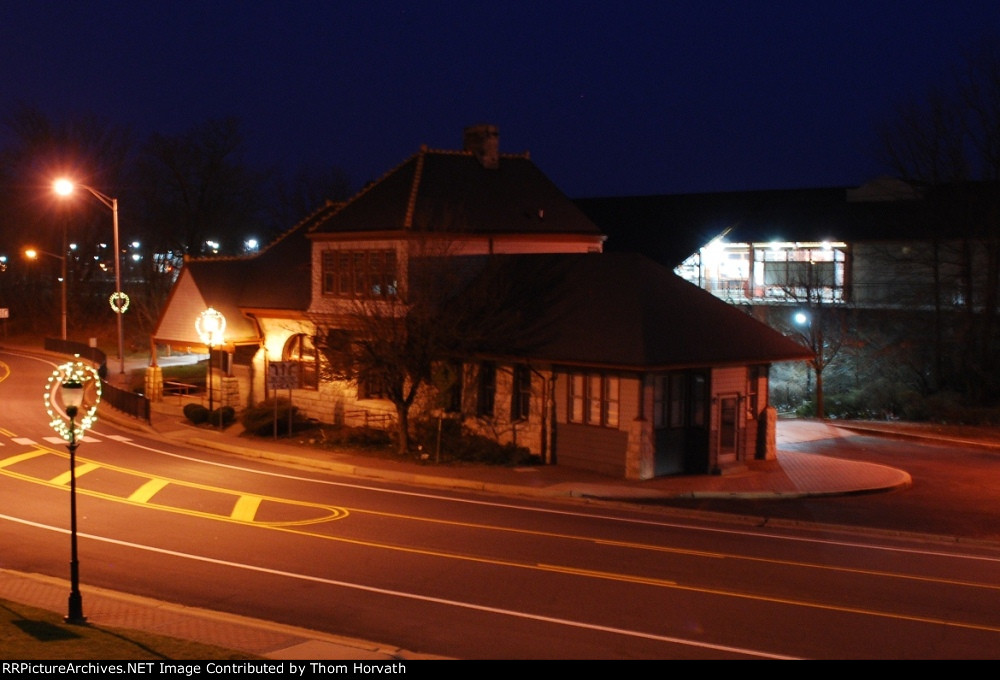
790, 475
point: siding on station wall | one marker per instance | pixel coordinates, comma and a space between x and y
598, 449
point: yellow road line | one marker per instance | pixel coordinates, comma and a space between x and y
650, 581
64, 478
21, 457
147, 490
245, 505
246, 508
681, 551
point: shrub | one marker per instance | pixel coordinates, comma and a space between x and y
479, 449
196, 413
259, 420
459, 444
361, 437
224, 416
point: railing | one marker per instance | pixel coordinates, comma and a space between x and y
133, 404
367, 418
127, 402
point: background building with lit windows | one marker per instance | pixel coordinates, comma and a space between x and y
890, 283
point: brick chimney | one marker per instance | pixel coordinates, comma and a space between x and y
484, 141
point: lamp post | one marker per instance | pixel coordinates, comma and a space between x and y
65, 187
211, 326
69, 384
32, 254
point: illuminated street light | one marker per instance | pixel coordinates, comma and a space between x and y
211, 328
65, 187
71, 413
32, 254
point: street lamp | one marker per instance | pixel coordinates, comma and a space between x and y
32, 254
211, 326
69, 385
65, 187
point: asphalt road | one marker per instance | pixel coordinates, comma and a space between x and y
467, 576
955, 493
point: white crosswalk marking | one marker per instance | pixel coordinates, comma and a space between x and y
61, 441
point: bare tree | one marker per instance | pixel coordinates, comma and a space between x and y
450, 308
295, 197
816, 323
197, 187
43, 149
948, 145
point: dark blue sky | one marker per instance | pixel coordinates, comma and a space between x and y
609, 98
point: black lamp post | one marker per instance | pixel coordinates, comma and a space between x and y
72, 395
211, 327
72, 382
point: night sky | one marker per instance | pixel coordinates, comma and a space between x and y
610, 98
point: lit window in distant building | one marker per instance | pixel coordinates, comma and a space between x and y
773, 271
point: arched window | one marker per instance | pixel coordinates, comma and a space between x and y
302, 349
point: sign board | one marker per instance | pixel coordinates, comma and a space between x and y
283, 375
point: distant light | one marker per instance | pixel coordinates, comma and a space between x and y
251, 244
135, 244
801, 318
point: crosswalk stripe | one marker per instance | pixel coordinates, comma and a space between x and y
79, 440
21, 456
81, 470
246, 508
147, 490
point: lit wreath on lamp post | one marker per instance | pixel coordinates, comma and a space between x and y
70, 415
119, 302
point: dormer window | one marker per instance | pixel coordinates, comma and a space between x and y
360, 274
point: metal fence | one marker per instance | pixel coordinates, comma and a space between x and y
135, 405
366, 418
